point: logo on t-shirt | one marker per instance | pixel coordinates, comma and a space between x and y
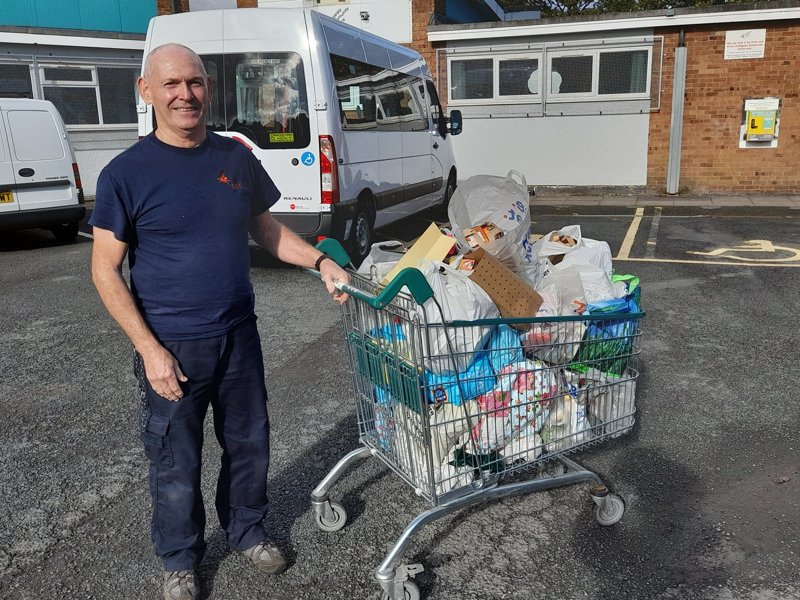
225, 180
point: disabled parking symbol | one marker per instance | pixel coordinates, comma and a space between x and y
763, 247
307, 158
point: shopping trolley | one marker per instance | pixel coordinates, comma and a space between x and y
477, 410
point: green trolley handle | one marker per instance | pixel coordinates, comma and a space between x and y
409, 277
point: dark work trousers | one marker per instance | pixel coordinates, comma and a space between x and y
226, 372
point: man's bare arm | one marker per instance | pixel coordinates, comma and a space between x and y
161, 368
286, 245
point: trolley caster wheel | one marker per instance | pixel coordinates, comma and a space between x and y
553, 469
336, 522
410, 592
610, 512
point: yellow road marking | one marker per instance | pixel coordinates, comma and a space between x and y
630, 236
761, 246
708, 262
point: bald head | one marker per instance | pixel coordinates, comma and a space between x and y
166, 52
176, 84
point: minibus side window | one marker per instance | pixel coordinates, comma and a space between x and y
414, 113
355, 93
388, 102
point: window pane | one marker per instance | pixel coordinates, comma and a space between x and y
15, 81
78, 106
215, 117
118, 94
266, 100
519, 77
471, 79
623, 72
409, 105
571, 75
67, 74
354, 92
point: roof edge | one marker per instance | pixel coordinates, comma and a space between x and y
761, 11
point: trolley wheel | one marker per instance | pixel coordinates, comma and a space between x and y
337, 522
611, 512
410, 592
553, 469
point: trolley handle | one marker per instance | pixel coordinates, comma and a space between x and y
410, 278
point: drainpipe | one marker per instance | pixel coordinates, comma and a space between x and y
676, 124
176, 7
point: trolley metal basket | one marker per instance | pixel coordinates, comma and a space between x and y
471, 411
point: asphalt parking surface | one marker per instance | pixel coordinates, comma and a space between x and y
709, 473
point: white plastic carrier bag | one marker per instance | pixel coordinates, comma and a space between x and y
564, 248
382, 258
493, 213
460, 299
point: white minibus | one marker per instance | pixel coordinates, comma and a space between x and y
347, 124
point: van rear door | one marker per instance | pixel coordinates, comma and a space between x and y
41, 158
268, 103
8, 200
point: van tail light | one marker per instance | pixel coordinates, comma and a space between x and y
328, 173
78, 183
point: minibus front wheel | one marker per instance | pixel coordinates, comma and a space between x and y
362, 232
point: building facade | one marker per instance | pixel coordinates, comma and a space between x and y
690, 100
84, 56
573, 101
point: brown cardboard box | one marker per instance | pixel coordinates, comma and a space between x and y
513, 297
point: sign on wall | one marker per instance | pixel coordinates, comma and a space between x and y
745, 43
760, 121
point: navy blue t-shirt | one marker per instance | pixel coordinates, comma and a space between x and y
184, 213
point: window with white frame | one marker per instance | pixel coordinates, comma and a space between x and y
15, 80
576, 74
506, 77
599, 74
90, 95
470, 79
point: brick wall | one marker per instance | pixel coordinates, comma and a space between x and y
165, 6
711, 160
421, 11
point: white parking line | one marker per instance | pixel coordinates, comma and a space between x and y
652, 238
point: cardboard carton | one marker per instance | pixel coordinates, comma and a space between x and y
431, 245
514, 298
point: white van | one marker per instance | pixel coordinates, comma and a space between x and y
40, 185
347, 124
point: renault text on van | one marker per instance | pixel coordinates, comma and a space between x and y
347, 124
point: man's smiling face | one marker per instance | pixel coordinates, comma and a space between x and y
176, 84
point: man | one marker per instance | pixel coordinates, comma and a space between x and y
179, 204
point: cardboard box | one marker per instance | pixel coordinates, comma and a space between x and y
513, 297
431, 245
479, 236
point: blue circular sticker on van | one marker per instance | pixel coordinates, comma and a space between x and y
307, 159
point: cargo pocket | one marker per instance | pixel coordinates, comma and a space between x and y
155, 437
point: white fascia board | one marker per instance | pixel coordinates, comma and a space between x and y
721, 18
75, 41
